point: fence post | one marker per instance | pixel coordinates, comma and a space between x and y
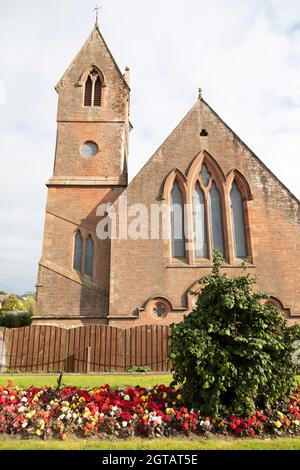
2, 351
88, 359
124, 349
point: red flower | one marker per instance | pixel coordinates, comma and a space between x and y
125, 416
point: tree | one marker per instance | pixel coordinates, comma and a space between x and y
12, 303
232, 353
29, 303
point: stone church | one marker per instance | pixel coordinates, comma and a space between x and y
227, 200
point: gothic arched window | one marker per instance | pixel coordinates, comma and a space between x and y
207, 215
216, 219
177, 222
97, 92
93, 88
238, 223
89, 257
200, 225
77, 261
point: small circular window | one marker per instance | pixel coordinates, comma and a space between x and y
159, 310
89, 149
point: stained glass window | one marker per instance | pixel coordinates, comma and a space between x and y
89, 257
78, 252
205, 175
177, 222
238, 222
200, 229
216, 219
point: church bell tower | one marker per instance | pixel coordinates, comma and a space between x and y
90, 169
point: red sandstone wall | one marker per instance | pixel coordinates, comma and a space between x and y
275, 225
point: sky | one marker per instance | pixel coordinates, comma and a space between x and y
244, 54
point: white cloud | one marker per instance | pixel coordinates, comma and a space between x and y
245, 55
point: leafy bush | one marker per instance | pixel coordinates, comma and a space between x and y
233, 353
9, 320
29, 304
139, 369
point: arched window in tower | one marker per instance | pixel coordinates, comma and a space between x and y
216, 219
77, 261
200, 226
97, 92
238, 222
177, 222
93, 89
89, 257
88, 92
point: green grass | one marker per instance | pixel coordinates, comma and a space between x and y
144, 380
25, 381
158, 444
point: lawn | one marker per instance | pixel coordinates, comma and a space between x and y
144, 380
157, 444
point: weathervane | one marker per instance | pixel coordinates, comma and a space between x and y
96, 9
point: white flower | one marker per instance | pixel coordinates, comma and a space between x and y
155, 419
297, 422
24, 400
61, 417
21, 409
24, 424
79, 421
124, 424
127, 398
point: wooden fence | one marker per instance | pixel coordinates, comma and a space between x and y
93, 348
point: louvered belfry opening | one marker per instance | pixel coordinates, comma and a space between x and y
93, 89
88, 92
97, 92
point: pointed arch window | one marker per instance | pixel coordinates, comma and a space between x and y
93, 88
177, 222
89, 256
216, 219
200, 222
207, 216
77, 261
238, 222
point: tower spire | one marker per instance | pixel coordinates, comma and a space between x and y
96, 9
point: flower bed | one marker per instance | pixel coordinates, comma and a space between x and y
152, 412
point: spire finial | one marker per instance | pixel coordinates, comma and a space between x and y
200, 93
96, 9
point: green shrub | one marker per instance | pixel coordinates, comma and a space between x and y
232, 353
29, 304
9, 320
139, 369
